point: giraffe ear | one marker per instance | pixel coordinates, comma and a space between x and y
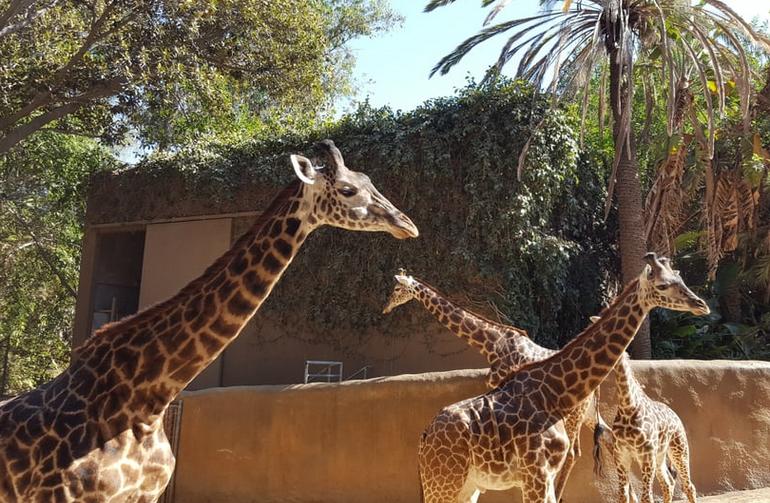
594, 319
304, 169
647, 272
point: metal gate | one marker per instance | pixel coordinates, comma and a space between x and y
172, 422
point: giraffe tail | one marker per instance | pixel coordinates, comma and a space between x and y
671, 470
600, 430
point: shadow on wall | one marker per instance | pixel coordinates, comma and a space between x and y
357, 441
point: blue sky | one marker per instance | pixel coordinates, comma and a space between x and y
393, 69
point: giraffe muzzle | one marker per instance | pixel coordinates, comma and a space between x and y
401, 227
699, 307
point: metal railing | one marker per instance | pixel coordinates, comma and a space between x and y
322, 371
331, 371
172, 421
360, 373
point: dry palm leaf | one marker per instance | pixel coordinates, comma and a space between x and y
731, 211
664, 209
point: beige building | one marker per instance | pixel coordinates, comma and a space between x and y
146, 238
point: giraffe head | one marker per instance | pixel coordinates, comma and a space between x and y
662, 286
403, 292
344, 198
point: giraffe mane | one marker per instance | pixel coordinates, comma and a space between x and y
278, 204
477, 315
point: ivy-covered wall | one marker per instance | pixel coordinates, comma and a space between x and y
537, 249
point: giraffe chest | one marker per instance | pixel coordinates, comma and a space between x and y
81, 468
127, 470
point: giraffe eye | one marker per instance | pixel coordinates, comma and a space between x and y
662, 287
348, 191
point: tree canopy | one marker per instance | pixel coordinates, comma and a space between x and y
172, 69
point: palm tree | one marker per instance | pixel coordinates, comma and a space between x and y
563, 48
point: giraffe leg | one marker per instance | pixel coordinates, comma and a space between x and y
538, 487
622, 466
665, 479
444, 479
680, 456
573, 433
647, 462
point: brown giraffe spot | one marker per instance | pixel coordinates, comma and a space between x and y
210, 343
239, 305
283, 247
254, 284
222, 327
583, 361
226, 289
152, 365
272, 264
276, 229
604, 359
188, 350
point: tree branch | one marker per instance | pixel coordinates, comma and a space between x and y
94, 34
9, 29
15, 7
22, 131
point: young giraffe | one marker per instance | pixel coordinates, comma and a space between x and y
648, 432
95, 433
507, 349
514, 435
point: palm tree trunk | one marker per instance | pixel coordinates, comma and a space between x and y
628, 191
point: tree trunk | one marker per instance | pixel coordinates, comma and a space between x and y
628, 191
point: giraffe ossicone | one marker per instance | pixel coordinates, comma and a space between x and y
514, 435
95, 433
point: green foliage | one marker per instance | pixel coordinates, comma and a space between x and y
680, 335
42, 207
171, 70
535, 247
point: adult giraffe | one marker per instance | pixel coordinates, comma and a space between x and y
514, 435
95, 433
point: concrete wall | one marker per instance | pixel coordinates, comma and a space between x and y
356, 442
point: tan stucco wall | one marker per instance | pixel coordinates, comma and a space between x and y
356, 442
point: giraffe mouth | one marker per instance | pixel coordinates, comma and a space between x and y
698, 307
401, 227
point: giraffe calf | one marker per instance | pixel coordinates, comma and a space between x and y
649, 433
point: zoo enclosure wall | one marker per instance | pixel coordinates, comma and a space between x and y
357, 441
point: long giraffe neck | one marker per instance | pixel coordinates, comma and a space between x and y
627, 388
475, 330
147, 359
571, 375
